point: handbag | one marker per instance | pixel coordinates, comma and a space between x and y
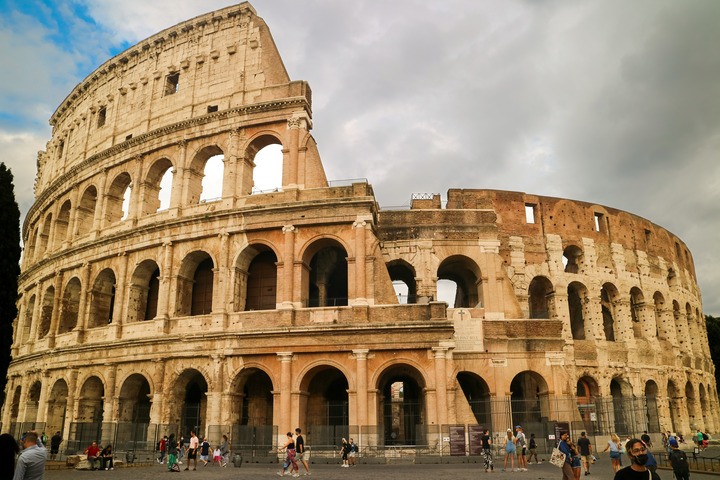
557, 458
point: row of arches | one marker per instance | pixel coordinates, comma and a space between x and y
642, 320
105, 202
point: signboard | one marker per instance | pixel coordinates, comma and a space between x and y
560, 428
475, 432
593, 417
457, 440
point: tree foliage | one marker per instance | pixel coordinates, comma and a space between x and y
9, 269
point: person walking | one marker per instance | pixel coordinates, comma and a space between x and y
225, 451
302, 455
162, 447
679, 461
55, 442
205, 452
181, 449
585, 447
615, 448
520, 442
289, 448
345, 451
509, 450
172, 450
192, 451
31, 462
533, 448
564, 447
487, 449
353, 451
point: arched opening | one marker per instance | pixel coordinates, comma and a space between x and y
540, 297
327, 275
466, 275
70, 306
608, 297
190, 395
252, 411
691, 406
57, 407
262, 282
586, 394
61, 225
661, 330
158, 187
103, 299
402, 406
33, 405
118, 199
530, 401
30, 245
651, 407
402, 275
477, 394
268, 171
674, 403
87, 427
577, 298
705, 409
623, 406
44, 240
144, 291
572, 258
28, 319
195, 285
133, 413
86, 211
636, 305
46, 311
212, 181
15, 409
324, 405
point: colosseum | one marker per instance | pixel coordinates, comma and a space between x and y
254, 312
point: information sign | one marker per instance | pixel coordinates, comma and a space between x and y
475, 432
457, 440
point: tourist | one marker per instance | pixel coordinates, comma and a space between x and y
637, 452
44, 439
171, 446
576, 462
302, 455
509, 450
351, 455
217, 456
93, 456
564, 447
162, 447
205, 452
106, 457
225, 451
487, 449
192, 451
533, 448
31, 462
646, 439
55, 442
520, 442
615, 447
181, 449
9, 449
290, 456
585, 447
345, 451
679, 461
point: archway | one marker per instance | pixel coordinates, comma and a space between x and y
33, 403
262, 282
133, 413
144, 292
674, 404
477, 394
623, 406
651, 406
529, 402
691, 406
608, 297
540, 296
324, 405
70, 306
189, 405
103, 299
577, 298
704, 408
587, 393
87, 427
28, 319
158, 187
402, 275
268, 170
636, 305
402, 406
465, 273
86, 211
661, 328
46, 310
117, 199
195, 285
57, 407
327, 279
61, 225
572, 258
252, 412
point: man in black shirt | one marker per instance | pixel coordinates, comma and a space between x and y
55, 442
679, 461
637, 452
487, 449
585, 451
646, 438
301, 454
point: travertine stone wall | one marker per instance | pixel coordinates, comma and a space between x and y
274, 305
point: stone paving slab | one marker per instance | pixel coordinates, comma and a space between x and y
602, 470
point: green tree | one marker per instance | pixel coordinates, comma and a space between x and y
713, 331
9, 269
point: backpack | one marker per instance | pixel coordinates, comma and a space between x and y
705, 437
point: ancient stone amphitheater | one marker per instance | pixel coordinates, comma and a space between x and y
257, 312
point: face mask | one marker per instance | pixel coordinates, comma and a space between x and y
641, 459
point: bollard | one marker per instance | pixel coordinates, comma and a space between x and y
237, 460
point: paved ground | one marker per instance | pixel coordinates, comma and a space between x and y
602, 470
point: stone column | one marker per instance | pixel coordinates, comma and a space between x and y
360, 281
156, 413
100, 204
441, 384
120, 306
135, 207
110, 402
290, 168
361, 355
85, 299
71, 405
178, 187
56, 309
165, 275
288, 267
221, 276
284, 424
213, 399
36, 313
44, 394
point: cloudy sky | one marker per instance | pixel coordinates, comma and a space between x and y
611, 102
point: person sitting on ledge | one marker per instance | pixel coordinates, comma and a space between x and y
93, 456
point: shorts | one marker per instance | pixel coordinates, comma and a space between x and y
204, 457
585, 458
576, 462
615, 455
533, 451
192, 455
303, 456
523, 452
351, 454
54, 450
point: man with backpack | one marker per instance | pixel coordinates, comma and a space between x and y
679, 461
353, 450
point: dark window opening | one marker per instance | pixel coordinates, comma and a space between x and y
152, 295
172, 83
262, 282
212, 108
577, 321
202, 291
128, 137
328, 278
102, 114
61, 149
599, 222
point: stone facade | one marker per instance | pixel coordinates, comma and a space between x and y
279, 310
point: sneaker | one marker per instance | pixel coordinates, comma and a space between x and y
296, 474
112, 468
280, 473
187, 468
106, 468
307, 473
